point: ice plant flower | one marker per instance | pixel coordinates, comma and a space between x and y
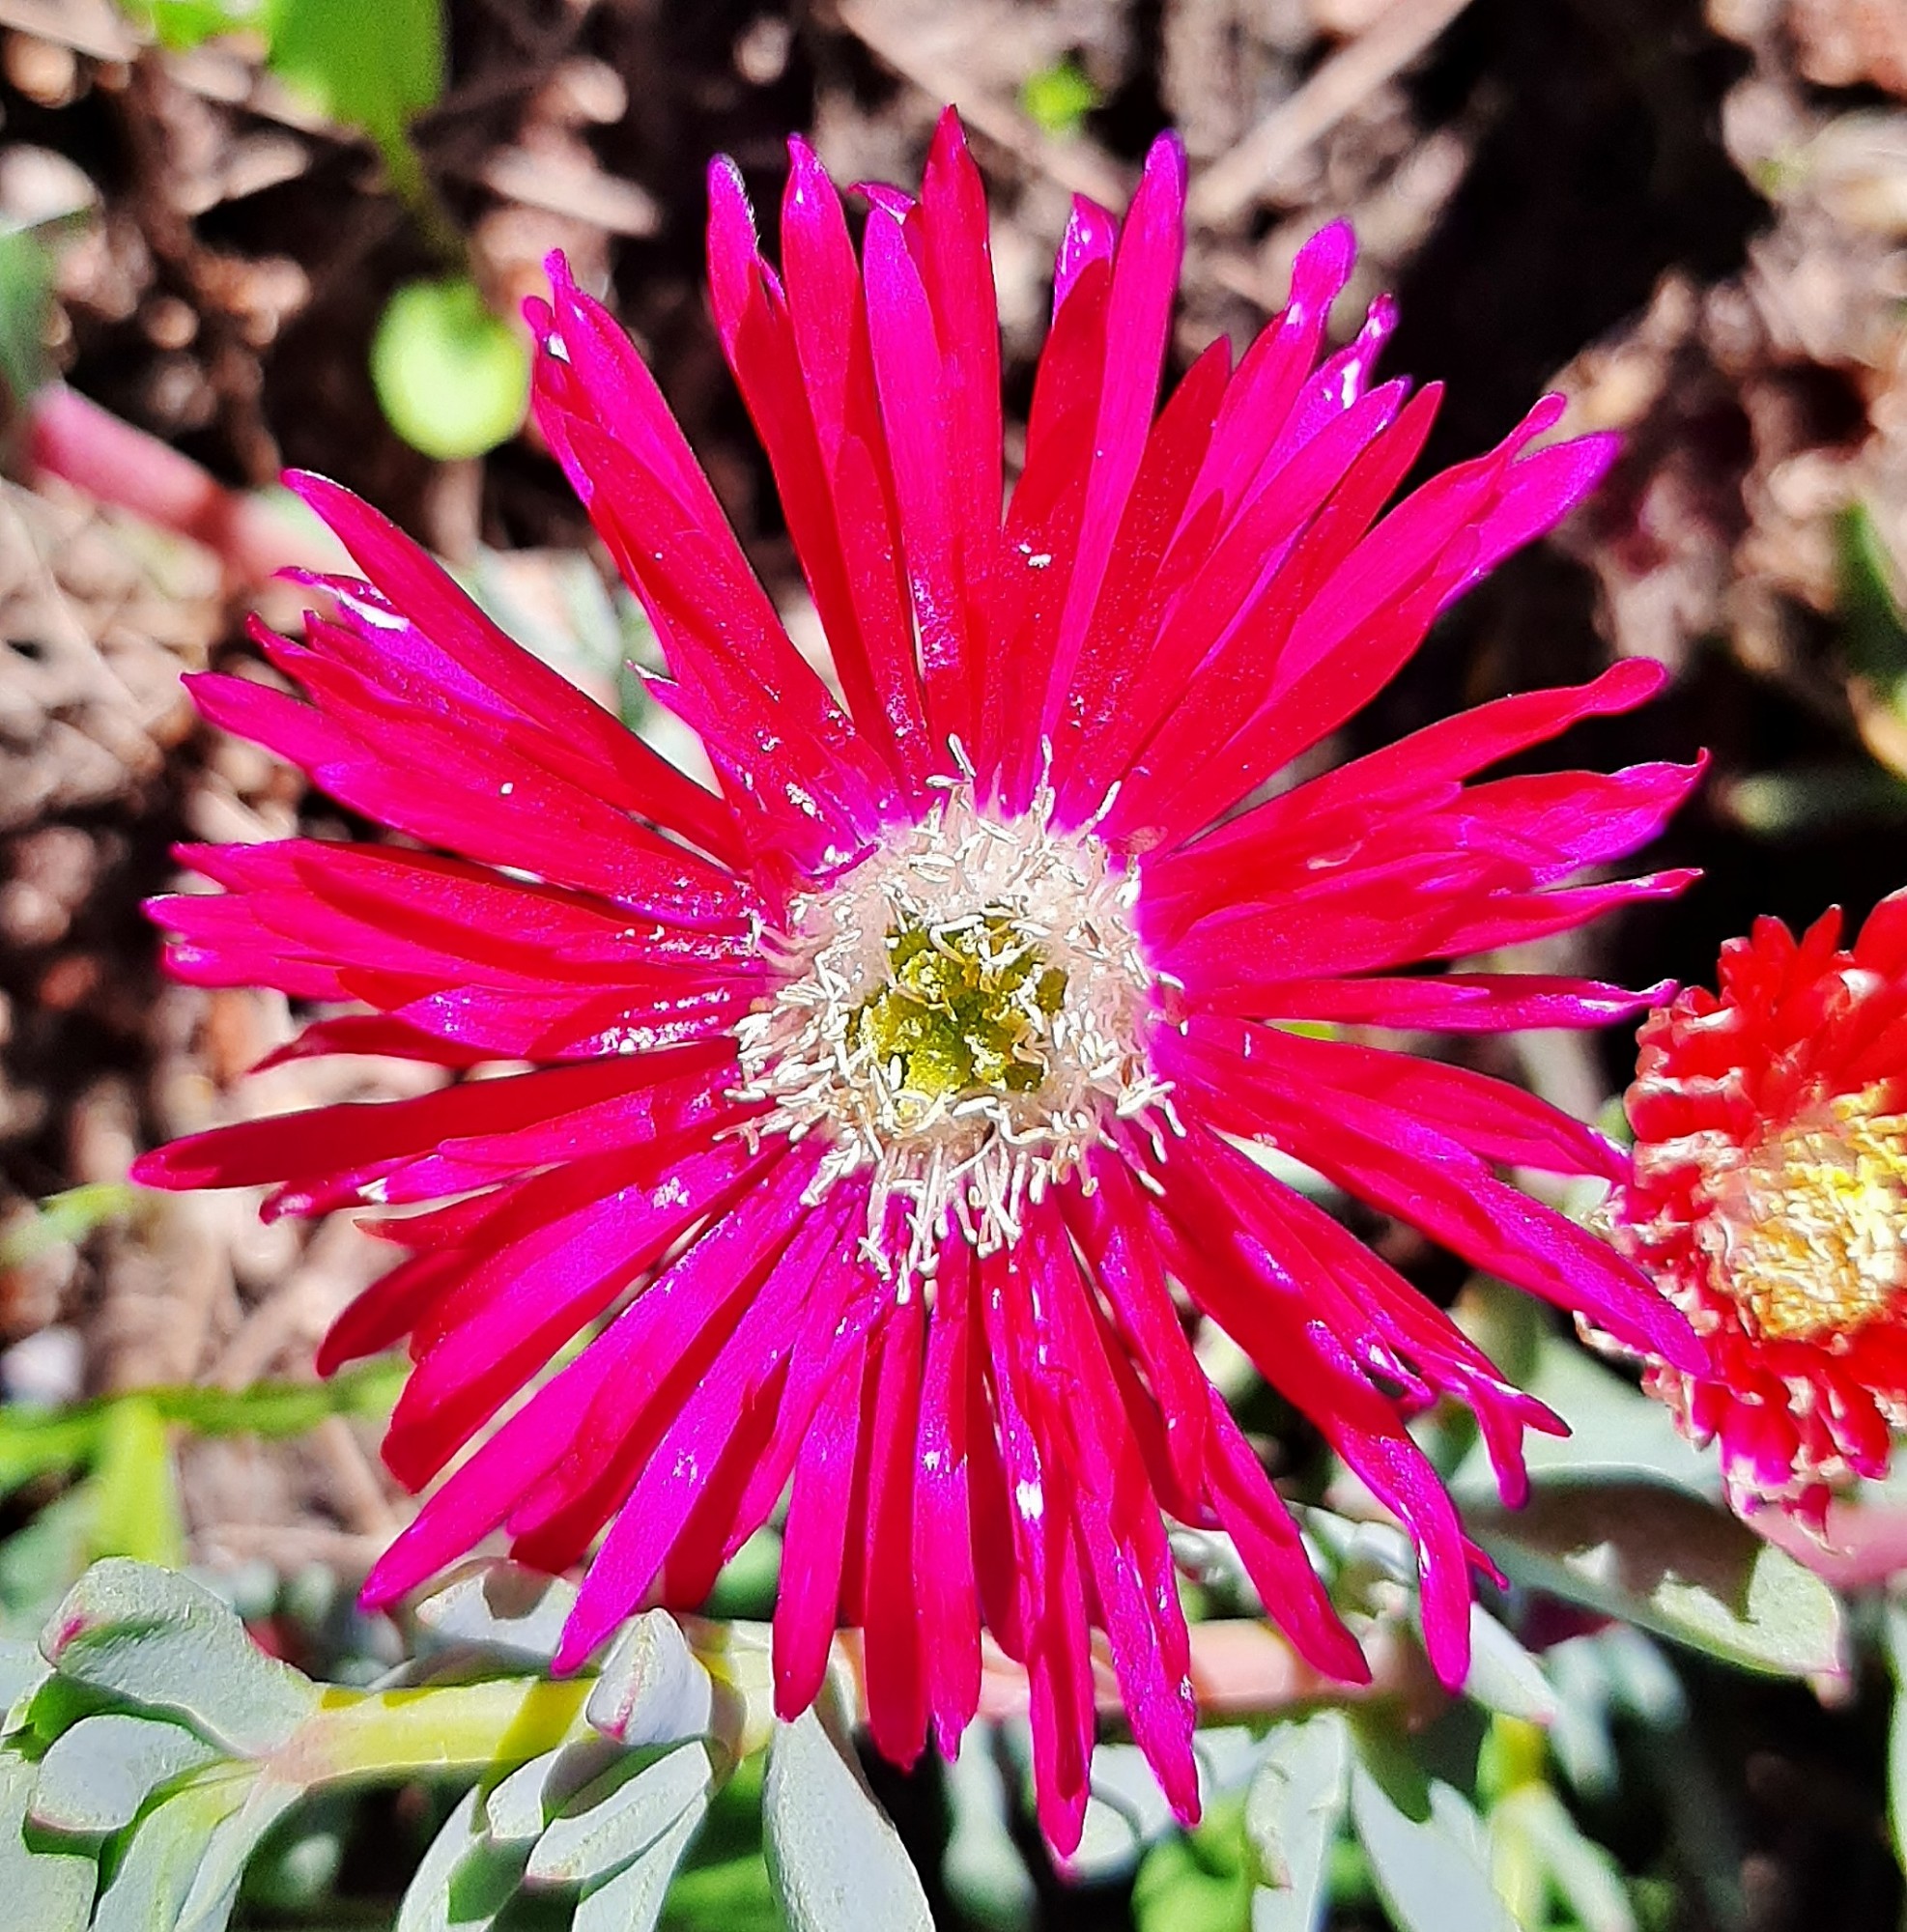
889, 1109
1770, 1203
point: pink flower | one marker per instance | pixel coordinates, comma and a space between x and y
1770, 1203
888, 1109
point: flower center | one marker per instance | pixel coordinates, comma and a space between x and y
963, 1015
1814, 1224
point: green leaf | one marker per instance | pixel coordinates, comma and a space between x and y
157, 1639
1292, 1815
833, 1860
49, 1891
369, 64
97, 1773
137, 1513
1673, 1564
1432, 1871
453, 379
599, 1835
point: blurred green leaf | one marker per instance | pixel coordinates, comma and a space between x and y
136, 1510
835, 1861
1806, 801
67, 1217
453, 379
981, 1865
183, 25
1893, 1636
1615, 1431
1673, 1564
26, 295
370, 64
40, 1442
1874, 629
736, 1895
1586, 1877
42, 1562
1059, 98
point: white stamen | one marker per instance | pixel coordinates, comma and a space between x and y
979, 891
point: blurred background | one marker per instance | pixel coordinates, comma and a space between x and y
235, 237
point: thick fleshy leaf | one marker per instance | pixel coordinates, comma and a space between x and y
1664, 1559
46, 1890
1292, 1815
157, 1639
601, 1832
96, 1774
1431, 1867
835, 1861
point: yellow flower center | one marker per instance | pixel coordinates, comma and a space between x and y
967, 1009
1817, 1223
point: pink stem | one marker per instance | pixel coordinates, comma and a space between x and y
73, 438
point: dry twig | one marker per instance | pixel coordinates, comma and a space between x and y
1226, 190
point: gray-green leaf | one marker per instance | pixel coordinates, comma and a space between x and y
835, 1861
598, 1840
501, 1607
50, 1891
1433, 1873
154, 1639
96, 1774
1293, 1815
631, 1901
150, 1890
653, 1690
1673, 1564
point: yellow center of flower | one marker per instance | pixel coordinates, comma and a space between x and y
1817, 1223
967, 1009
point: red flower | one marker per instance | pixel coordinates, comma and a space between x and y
886, 1122
1770, 1202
